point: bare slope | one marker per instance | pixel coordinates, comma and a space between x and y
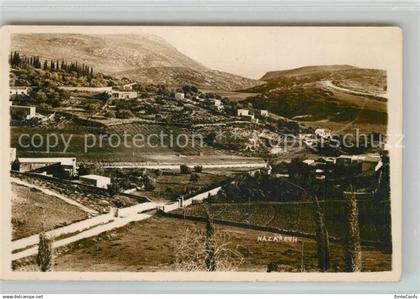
143, 57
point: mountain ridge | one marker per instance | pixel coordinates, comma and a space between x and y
144, 57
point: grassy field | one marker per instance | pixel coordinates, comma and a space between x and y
298, 216
34, 211
149, 246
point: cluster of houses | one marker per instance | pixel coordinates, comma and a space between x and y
249, 115
371, 162
312, 139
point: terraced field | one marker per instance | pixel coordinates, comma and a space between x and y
92, 144
185, 146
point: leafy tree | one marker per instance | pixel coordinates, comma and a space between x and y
148, 184
84, 169
103, 96
194, 177
113, 189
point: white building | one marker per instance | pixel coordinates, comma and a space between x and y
243, 112
264, 113
179, 95
121, 94
323, 133
96, 180
216, 104
19, 90
309, 162
30, 111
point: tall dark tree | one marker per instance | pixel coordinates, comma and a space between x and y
323, 246
353, 258
210, 247
44, 258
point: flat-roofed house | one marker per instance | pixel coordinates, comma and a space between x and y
19, 90
96, 180
323, 133
243, 112
264, 113
124, 94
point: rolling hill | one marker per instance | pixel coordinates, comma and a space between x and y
336, 93
142, 57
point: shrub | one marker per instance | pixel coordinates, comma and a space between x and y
198, 168
194, 177
184, 169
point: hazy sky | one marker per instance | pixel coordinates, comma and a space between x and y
251, 52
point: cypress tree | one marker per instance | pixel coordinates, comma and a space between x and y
210, 258
323, 246
353, 259
44, 259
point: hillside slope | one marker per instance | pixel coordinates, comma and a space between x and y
337, 93
143, 57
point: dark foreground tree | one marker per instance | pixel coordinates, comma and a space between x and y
323, 246
210, 259
44, 259
353, 259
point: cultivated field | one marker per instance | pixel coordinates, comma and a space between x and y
83, 146
149, 246
171, 185
298, 216
34, 211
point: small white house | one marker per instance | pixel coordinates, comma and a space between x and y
96, 180
121, 94
179, 95
323, 133
264, 113
216, 102
19, 90
243, 112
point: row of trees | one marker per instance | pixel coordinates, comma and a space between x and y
82, 70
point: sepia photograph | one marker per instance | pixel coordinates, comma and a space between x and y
202, 153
